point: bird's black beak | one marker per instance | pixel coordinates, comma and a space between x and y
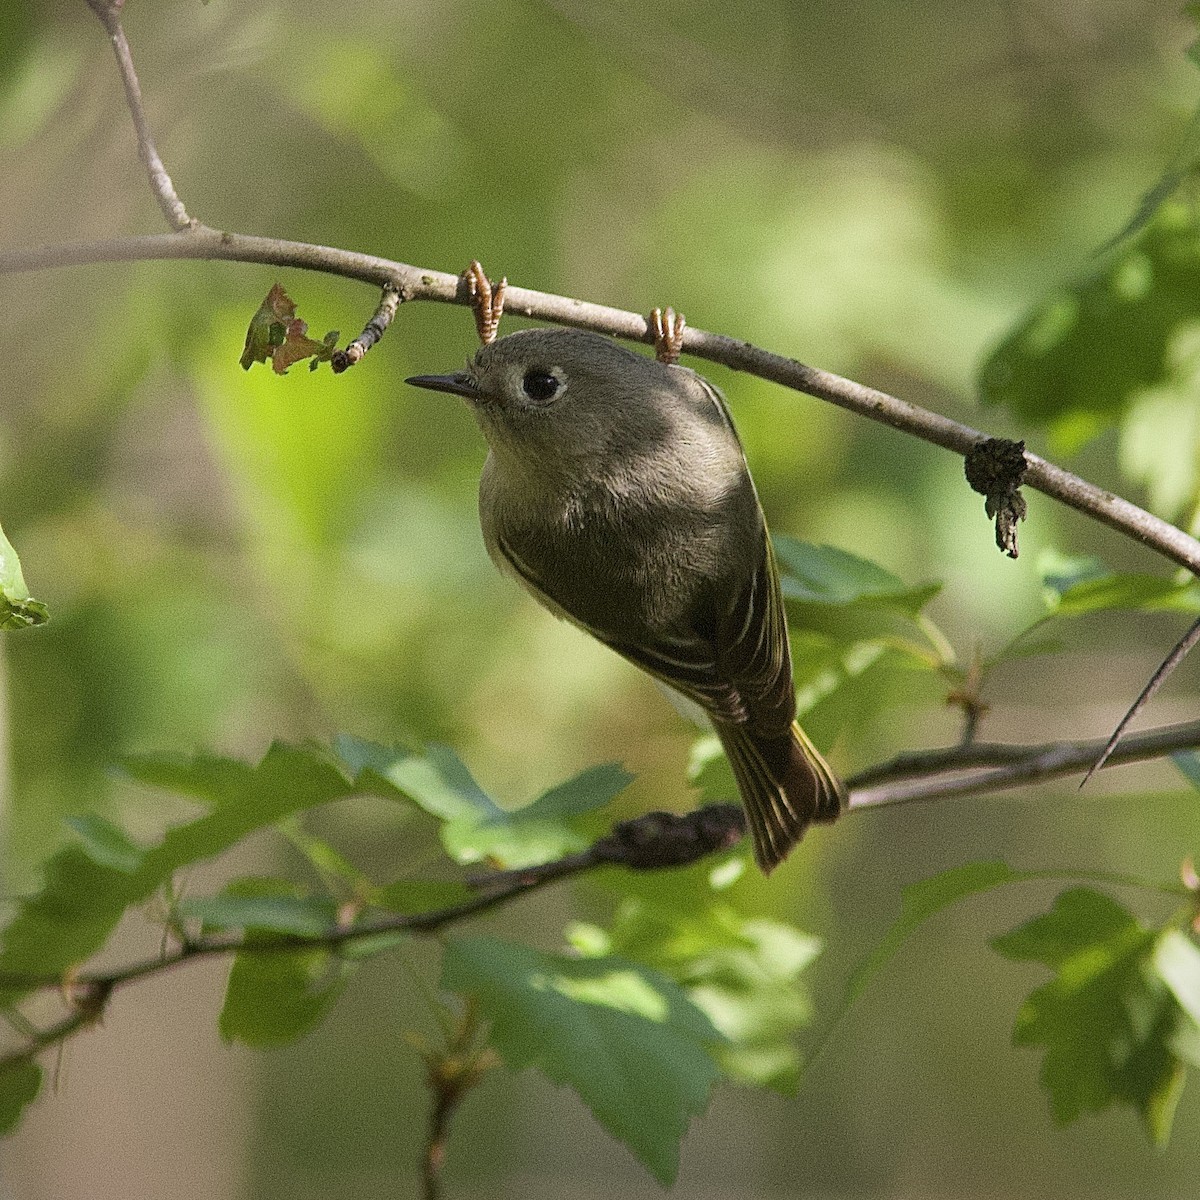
457, 385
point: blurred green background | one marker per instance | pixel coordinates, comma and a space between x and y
878, 189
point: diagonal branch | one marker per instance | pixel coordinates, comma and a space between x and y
421, 283
652, 842
981, 767
194, 240
109, 12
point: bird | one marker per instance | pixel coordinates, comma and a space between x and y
616, 490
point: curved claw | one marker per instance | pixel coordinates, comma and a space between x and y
486, 301
669, 328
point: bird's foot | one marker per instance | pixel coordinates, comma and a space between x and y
669, 328
487, 301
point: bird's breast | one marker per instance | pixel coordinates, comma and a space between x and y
618, 560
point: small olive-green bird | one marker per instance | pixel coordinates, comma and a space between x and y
617, 492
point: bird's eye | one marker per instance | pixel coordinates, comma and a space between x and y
539, 385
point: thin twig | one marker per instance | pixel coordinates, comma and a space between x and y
418, 283
1180, 651
969, 770
450, 1075
658, 840
195, 240
925, 763
375, 328
650, 842
109, 12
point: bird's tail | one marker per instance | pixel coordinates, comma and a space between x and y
785, 784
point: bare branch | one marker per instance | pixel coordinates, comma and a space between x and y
450, 1075
109, 12
979, 767
376, 327
417, 283
654, 841
1178, 653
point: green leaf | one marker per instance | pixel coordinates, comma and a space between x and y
742, 971
82, 899
105, 844
335, 870
1106, 1019
19, 1085
1079, 358
553, 825
1133, 593
413, 896
275, 996
304, 916
18, 610
591, 789
827, 576
474, 826
841, 689
438, 781
626, 1038
1177, 961
1072, 587
1061, 572
278, 336
1080, 918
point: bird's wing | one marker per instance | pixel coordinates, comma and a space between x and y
739, 671
752, 647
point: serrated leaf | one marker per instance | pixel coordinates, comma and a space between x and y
18, 610
1082, 354
19, 1085
1080, 918
742, 971
1106, 1019
105, 844
626, 1038
81, 900
553, 825
275, 996
474, 826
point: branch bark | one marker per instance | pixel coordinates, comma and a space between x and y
421, 283
195, 240
650, 842
109, 12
